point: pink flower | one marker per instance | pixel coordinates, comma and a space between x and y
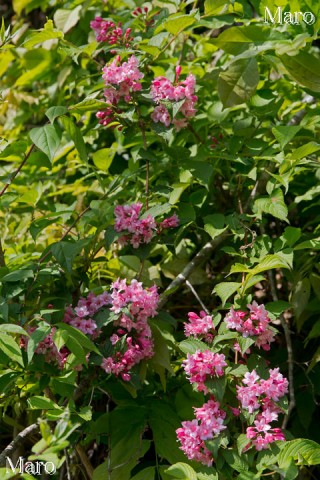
199, 326
253, 323
163, 90
201, 366
138, 230
207, 425
107, 31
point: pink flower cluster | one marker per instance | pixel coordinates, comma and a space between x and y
80, 317
163, 90
253, 323
132, 327
201, 366
47, 348
107, 31
139, 230
121, 80
259, 396
199, 326
207, 425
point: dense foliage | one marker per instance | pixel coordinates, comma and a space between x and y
159, 247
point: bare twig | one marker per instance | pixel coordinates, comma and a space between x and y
85, 461
18, 440
286, 329
201, 256
197, 297
2, 259
27, 155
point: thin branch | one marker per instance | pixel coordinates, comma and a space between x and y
27, 155
2, 259
85, 461
201, 256
286, 329
197, 297
18, 440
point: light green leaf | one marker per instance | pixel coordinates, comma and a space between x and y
215, 7
306, 452
182, 471
226, 289
214, 224
42, 403
11, 328
67, 19
88, 105
284, 134
238, 83
304, 151
245, 343
46, 33
274, 205
47, 139
177, 23
192, 345
53, 112
10, 348
157, 210
103, 158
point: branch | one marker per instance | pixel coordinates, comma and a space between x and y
85, 461
27, 155
197, 297
19, 440
2, 259
201, 256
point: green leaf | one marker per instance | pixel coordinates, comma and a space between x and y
217, 386
157, 210
10, 348
42, 403
66, 252
178, 23
305, 452
277, 307
215, 7
214, 224
145, 474
182, 471
292, 235
53, 112
47, 139
274, 205
46, 33
67, 19
304, 151
245, 343
235, 461
238, 83
103, 158
81, 338
36, 337
76, 136
88, 105
11, 328
192, 345
18, 276
284, 134
225, 289
304, 68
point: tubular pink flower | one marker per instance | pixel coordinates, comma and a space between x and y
201, 366
254, 323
